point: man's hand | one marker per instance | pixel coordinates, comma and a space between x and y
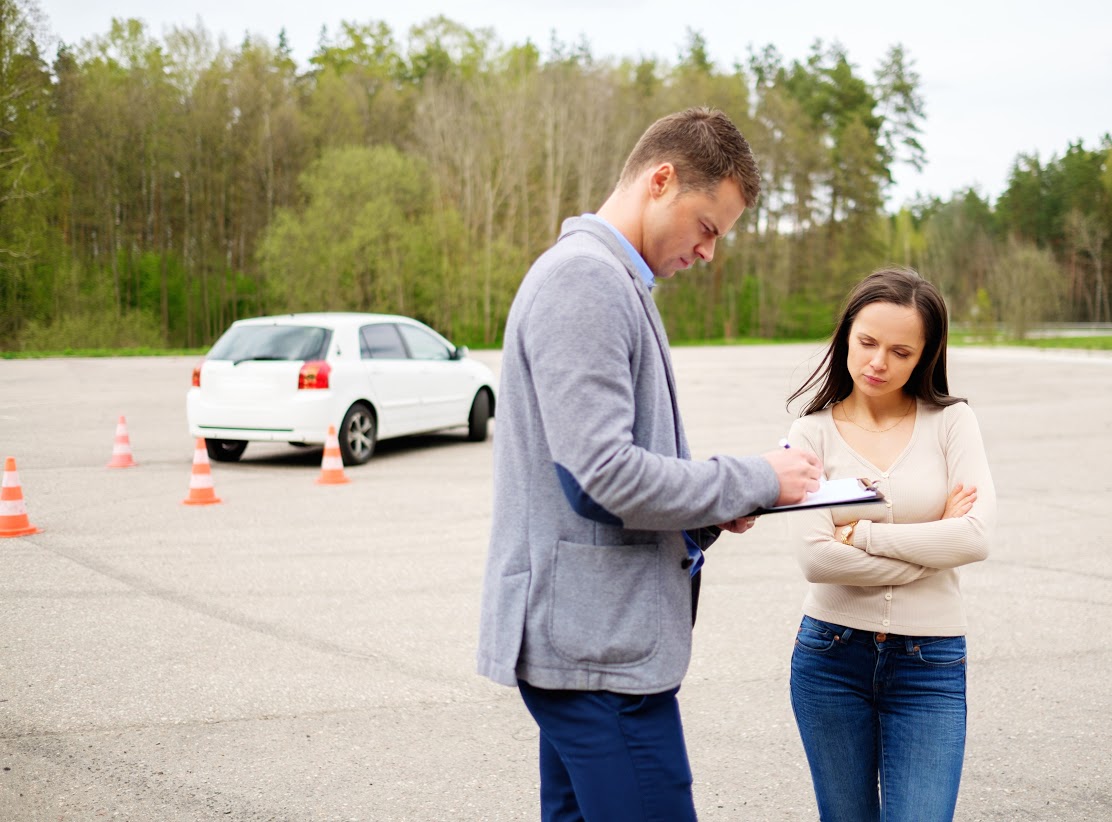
798, 472
739, 525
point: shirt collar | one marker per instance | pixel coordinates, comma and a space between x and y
638, 261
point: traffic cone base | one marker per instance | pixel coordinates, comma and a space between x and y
200, 480
121, 448
332, 464
13, 511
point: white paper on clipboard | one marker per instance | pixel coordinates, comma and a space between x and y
847, 491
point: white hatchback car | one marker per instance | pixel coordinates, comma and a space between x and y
374, 376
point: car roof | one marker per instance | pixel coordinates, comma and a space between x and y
325, 318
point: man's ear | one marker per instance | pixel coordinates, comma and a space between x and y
662, 180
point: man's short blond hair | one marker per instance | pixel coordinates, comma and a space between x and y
705, 148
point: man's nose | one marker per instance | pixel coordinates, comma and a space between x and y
705, 251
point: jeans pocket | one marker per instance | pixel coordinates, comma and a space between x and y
941, 651
815, 635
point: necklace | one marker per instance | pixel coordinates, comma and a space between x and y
900, 419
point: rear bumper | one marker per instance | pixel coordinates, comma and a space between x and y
258, 434
305, 420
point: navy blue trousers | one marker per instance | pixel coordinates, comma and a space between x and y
609, 757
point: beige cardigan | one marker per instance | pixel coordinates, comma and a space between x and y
900, 576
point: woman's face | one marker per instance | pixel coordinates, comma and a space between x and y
885, 343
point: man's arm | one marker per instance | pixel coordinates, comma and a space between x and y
579, 337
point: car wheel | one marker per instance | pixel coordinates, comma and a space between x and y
358, 434
479, 417
225, 450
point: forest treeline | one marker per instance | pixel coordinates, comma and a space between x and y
152, 190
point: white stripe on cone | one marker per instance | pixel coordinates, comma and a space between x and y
12, 507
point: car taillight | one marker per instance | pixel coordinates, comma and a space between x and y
197, 374
314, 374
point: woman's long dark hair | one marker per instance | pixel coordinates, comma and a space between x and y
899, 286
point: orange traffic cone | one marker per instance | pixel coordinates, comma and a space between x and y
200, 482
121, 449
332, 465
13, 513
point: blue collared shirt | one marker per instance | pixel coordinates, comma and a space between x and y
694, 552
638, 261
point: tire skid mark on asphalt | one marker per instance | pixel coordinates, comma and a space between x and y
23, 731
126, 772
268, 629
28, 593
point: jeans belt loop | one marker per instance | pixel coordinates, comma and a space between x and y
847, 635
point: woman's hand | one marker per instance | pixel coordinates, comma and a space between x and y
960, 501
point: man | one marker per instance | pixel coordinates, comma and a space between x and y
600, 515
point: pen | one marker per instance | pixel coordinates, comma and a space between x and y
784, 443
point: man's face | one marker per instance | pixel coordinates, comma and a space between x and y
680, 228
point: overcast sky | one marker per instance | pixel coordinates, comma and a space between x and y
997, 78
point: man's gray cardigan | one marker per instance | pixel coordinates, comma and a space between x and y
587, 584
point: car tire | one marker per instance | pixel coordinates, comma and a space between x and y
225, 450
358, 434
478, 419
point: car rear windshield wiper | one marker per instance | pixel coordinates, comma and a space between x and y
257, 359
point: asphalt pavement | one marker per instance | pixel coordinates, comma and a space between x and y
305, 652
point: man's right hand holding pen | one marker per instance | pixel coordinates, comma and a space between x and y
798, 471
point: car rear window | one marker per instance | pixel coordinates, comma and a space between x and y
272, 342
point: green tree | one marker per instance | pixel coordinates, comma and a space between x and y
351, 246
1027, 283
960, 251
28, 184
902, 108
1086, 235
356, 92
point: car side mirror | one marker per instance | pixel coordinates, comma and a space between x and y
460, 352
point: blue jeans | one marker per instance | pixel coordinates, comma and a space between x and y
880, 709
608, 757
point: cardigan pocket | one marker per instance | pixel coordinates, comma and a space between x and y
606, 602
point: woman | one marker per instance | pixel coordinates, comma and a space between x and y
878, 670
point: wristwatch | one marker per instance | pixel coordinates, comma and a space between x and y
845, 535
